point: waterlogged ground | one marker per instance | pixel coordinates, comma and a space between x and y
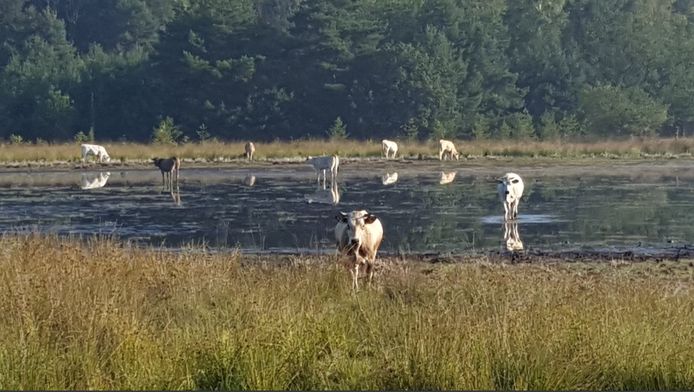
427, 207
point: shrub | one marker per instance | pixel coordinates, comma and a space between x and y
166, 132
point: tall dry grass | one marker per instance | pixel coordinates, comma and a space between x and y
100, 315
351, 148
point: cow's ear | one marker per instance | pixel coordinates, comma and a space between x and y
370, 218
341, 217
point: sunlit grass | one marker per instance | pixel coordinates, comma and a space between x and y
97, 314
215, 151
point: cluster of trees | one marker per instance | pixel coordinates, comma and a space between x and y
266, 69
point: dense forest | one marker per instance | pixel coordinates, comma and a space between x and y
287, 69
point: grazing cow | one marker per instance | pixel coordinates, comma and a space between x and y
512, 239
389, 178
389, 146
510, 190
323, 196
167, 167
93, 180
447, 148
323, 164
250, 150
94, 149
358, 236
447, 178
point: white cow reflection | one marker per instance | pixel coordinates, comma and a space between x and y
94, 180
176, 196
512, 239
249, 180
389, 178
447, 177
325, 196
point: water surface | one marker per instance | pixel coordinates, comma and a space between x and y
425, 207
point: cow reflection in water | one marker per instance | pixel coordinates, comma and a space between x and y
447, 177
389, 178
249, 180
176, 196
512, 239
325, 196
94, 180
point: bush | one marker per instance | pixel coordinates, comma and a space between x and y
166, 132
614, 110
81, 137
16, 139
338, 131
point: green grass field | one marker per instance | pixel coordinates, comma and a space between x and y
96, 314
124, 152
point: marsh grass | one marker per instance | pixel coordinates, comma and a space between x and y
97, 314
211, 151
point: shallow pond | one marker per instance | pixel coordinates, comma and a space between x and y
427, 207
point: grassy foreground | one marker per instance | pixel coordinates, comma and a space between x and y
97, 315
211, 151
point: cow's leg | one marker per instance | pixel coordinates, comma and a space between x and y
355, 276
370, 271
506, 214
515, 209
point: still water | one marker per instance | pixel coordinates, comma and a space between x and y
424, 206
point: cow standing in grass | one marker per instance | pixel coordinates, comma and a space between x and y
447, 148
249, 149
389, 147
359, 235
168, 166
96, 150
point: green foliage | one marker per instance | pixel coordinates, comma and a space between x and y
16, 139
166, 132
422, 69
610, 110
81, 137
202, 133
548, 128
569, 126
338, 131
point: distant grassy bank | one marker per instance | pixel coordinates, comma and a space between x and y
96, 314
216, 151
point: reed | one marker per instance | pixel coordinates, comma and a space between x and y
97, 314
211, 151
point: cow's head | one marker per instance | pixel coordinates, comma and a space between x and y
356, 222
106, 157
508, 185
156, 161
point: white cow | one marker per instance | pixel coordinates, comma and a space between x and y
447, 178
510, 190
389, 146
94, 149
389, 178
512, 239
447, 148
93, 180
323, 164
249, 149
358, 235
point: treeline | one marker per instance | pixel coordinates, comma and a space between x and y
267, 69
